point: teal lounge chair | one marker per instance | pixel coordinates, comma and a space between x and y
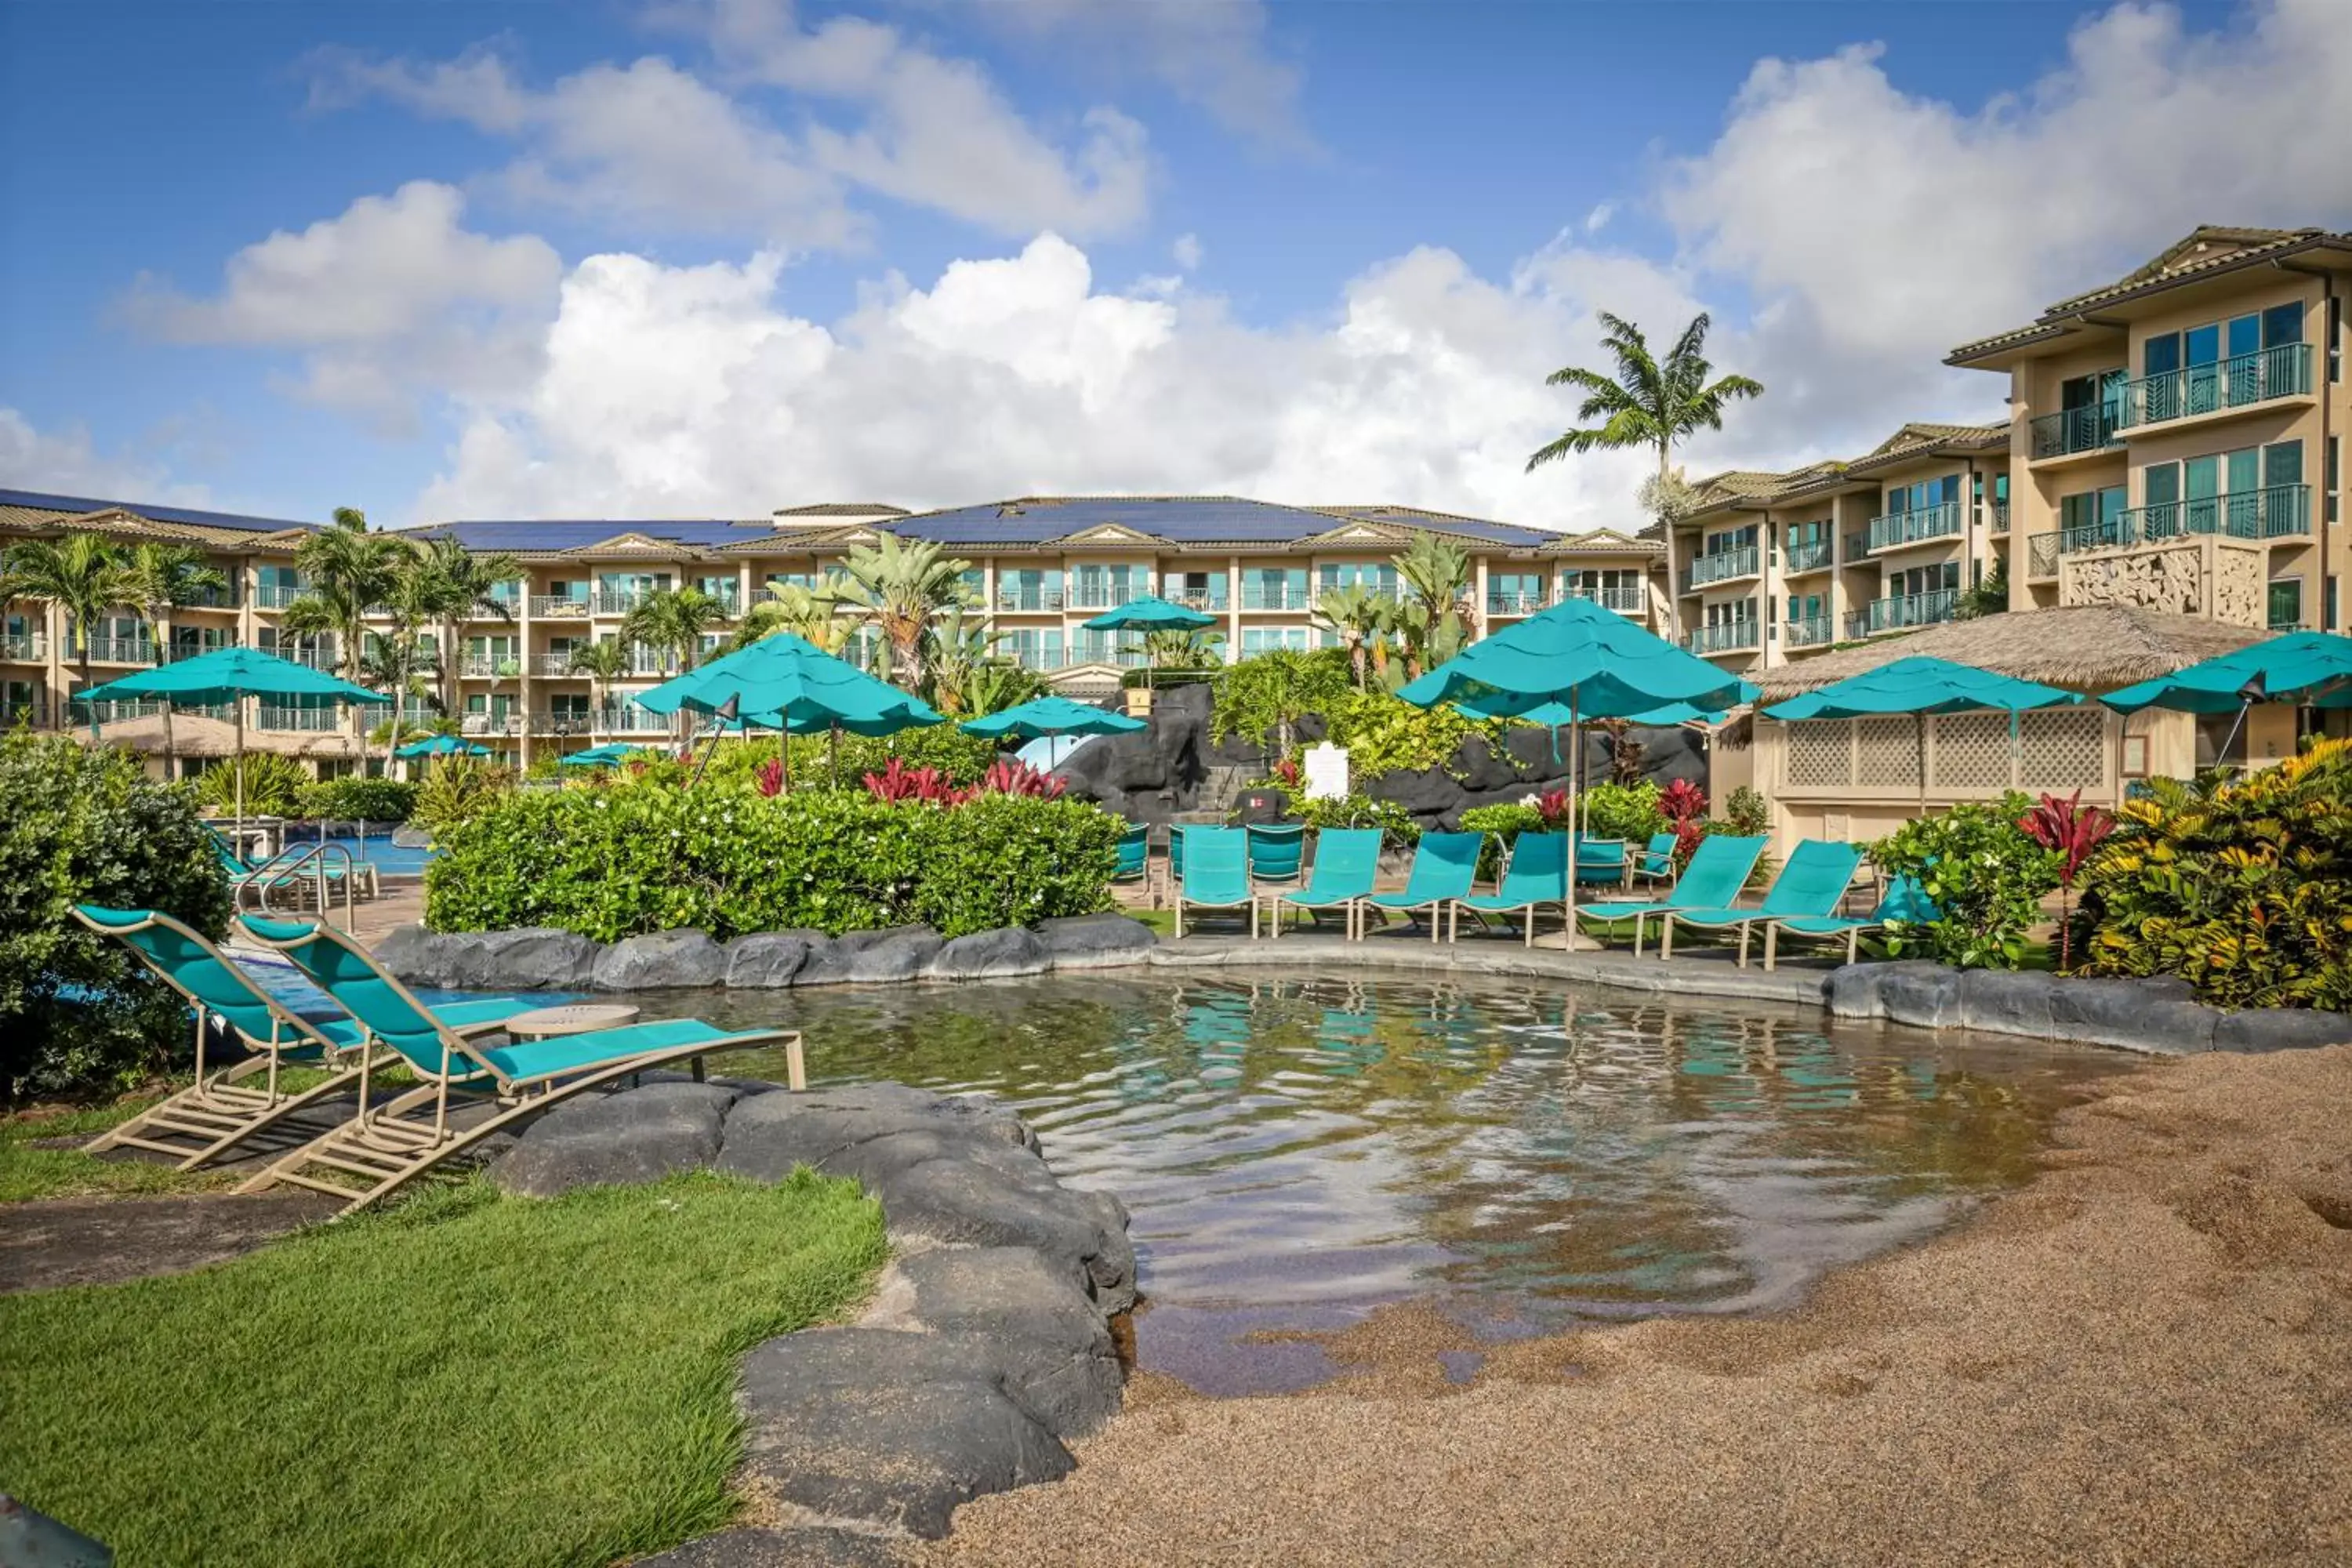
1215, 873
1445, 869
1655, 863
1809, 886
1536, 875
1600, 861
1718, 870
386, 1146
1276, 851
1906, 901
1347, 862
222, 1107
1134, 851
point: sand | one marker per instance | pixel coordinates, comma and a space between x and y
2143, 1356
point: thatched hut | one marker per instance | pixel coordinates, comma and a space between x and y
1856, 779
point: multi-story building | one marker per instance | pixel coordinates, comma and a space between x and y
1039, 567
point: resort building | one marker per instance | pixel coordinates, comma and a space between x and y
1039, 567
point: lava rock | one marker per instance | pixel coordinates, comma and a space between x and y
2279, 1029
754, 1546
866, 957
1095, 941
1923, 994
411, 953
1055, 1348
635, 1135
663, 961
765, 960
2129, 1013
1851, 991
2006, 1003
990, 954
529, 958
766, 1138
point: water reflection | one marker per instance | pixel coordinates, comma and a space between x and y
1295, 1150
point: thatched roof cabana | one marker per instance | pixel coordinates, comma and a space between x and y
2084, 648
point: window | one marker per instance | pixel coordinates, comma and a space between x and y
1346, 575
1729, 540
1202, 590
2335, 476
2335, 338
1101, 587
569, 706
2286, 603
717, 587
1274, 588
2089, 519
1029, 588
1924, 494
1266, 639
1919, 580
2332, 622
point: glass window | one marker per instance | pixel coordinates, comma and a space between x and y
2282, 324
2282, 463
2287, 602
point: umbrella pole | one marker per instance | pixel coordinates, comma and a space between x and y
1575, 845
1921, 718
237, 840
832, 746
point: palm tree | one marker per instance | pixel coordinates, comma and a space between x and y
672, 621
1648, 405
157, 578
955, 647
1361, 617
806, 613
457, 586
1437, 572
897, 588
81, 573
349, 570
604, 662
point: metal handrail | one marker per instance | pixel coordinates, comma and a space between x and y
285, 868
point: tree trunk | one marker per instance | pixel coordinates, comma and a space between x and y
1667, 531
171, 747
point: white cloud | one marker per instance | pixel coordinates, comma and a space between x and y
67, 462
672, 390
391, 296
1187, 251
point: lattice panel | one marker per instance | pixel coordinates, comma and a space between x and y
1971, 751
1820, 754
1886, 754
2063, 749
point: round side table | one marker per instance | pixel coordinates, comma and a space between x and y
570, 1018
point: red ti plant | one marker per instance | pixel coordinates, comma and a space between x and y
1554, 807
1288, 772
897, 782
2072, 830
1010, 775
1683, 805
769, 777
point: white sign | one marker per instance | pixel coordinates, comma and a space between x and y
1327, 772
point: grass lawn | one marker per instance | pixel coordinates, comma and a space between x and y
466, 1379
28, 1172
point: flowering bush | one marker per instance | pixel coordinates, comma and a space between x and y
1006, 775
1983, 871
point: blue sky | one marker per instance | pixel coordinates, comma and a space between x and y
694, 256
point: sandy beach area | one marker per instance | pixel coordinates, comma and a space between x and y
2145, 1357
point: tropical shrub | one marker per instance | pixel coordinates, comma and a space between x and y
357, 800
2071, 830
1745, 810
1630, 812
1395, 823
455, 788
273, 784
624, 861
85, 825
1984, 872
959, 757
2241, 886
1263, 698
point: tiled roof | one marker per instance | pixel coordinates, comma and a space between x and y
2208, 249
1919, 439
46, 507
843, 508
1604, 542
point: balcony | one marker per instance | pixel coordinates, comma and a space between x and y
227, 598
1273, 596
558, 607
2001, 517
1087, 595
300, 721
2279, 511
1721, 566
563, 721
1029, 601
618, 601
1896, 530
1630, 601
1811, 631
30, 647
1903, 612
308, 658
2090, 428
2263, 376
1510, 602
1811, 556
122, 651
477, 668
33, 711
552, 665
1099, 648
1724, 636
490, 724
2042, 555
277, 596
635, 721
1210, 599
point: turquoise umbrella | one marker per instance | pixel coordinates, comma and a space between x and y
1151, 614
1052, 716
230, 675
1595, 662
2314, 668
788, 684
603, 756
1920, 686
442, 746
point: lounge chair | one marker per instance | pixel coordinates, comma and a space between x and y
1599, 860
221, 1108
1347, 862
387, 1146
1215, 872
1718, 870
1906, 900
1536, 875
1276, 851
1445, 869
1655, 863
1809, 886
1134, 851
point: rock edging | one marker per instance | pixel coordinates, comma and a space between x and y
540, 958
987, 1345
2159, 1014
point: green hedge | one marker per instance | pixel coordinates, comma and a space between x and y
85, 825
617, 862
357, 799
961, 758
1982, 870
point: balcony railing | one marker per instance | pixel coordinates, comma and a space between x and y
557, 607
29, 648
308, 658
1198, 598
1029, 601
227, 598
1897, 529
2089, 429
1273, 596
2283, 620
563, 721
122, 651
477, 668
2001, 517
618, 601
31, 711
1809, 631
277, 596
2042, 555
490, 724
1904, 611
1102, 650
1109, 595
1810, 556
552, 664
1722, 566
2237, 383
304, 720
634, 721
1630, 601
2279, 511
1723, 637
1514, 601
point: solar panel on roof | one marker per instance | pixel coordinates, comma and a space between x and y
44, 502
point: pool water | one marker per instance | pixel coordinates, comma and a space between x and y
390, 859
1298, 1151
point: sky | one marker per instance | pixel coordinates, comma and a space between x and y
646, 258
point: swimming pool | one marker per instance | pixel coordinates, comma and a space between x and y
390, 859
1297, 1151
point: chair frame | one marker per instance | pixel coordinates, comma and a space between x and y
1445, 913
1252, 900
1756, 916
1530, 907
391, 1144
1280, 901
